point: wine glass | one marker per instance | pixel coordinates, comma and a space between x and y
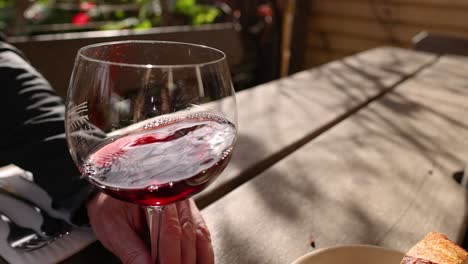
151, 122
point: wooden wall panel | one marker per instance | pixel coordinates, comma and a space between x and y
341, 27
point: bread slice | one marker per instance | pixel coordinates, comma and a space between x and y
436, 248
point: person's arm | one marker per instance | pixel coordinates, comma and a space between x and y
32, 135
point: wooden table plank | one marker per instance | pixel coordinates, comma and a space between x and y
278, 117
440, 119
382, 176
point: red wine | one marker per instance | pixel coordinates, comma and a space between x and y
163, 162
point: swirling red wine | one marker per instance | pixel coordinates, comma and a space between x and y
166, 161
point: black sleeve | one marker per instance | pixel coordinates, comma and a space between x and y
33, 134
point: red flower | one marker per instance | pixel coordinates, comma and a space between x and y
264, 10
80, 19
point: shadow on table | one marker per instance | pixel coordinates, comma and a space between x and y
276, 199
280, 202
429, 123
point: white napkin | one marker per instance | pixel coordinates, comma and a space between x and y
22, 214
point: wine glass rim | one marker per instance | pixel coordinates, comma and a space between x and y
149, 65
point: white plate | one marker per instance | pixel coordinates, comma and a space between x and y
352, 254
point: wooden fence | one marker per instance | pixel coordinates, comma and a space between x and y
336, 28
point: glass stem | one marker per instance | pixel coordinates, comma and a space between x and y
155, 218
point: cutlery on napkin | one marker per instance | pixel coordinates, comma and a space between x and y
19, 181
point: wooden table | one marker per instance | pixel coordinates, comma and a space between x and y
360, 150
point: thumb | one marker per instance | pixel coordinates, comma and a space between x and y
130, 248
117, 224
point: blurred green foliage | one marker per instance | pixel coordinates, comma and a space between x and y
6, 3
199, 14
6, 12
146, 14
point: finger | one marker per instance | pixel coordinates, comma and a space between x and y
188, 241
205, 254
130, 248
171, 235
126, 243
